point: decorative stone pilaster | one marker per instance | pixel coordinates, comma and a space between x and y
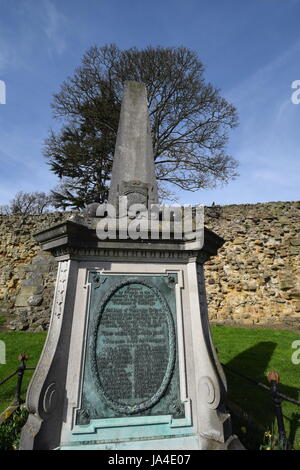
45, 395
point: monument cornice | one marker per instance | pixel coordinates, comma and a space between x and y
77, 240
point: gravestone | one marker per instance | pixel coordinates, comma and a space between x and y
128, 362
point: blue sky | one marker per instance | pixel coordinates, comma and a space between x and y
250, 48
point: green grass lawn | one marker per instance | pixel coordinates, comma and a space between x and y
16, 343
254, 352
250, 351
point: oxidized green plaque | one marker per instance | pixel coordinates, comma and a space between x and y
131, 365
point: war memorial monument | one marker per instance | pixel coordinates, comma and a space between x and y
128, 362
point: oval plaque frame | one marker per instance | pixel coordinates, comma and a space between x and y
150, 402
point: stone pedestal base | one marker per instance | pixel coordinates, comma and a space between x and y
160, 347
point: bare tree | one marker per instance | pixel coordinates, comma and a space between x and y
189, 119
28, 203
4, 209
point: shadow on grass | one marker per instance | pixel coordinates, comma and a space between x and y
251, 406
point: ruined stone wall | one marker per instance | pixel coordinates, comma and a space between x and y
27, 273
255, 279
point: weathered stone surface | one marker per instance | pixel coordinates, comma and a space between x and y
25, 270
133, 172
262, 265
256, 273
286, 284
35, 300
297, 306
23, 296
33, 279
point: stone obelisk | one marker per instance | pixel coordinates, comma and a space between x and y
128, 362
133, 172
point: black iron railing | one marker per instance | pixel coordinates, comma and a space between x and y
272, 377
277, 398
20, 373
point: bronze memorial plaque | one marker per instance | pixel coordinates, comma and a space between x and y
131, 356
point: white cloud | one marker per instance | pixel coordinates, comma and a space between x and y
3, 55
54, 26
8, 52
41, 22
260, 85
279, 176
35, 23
266, 143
